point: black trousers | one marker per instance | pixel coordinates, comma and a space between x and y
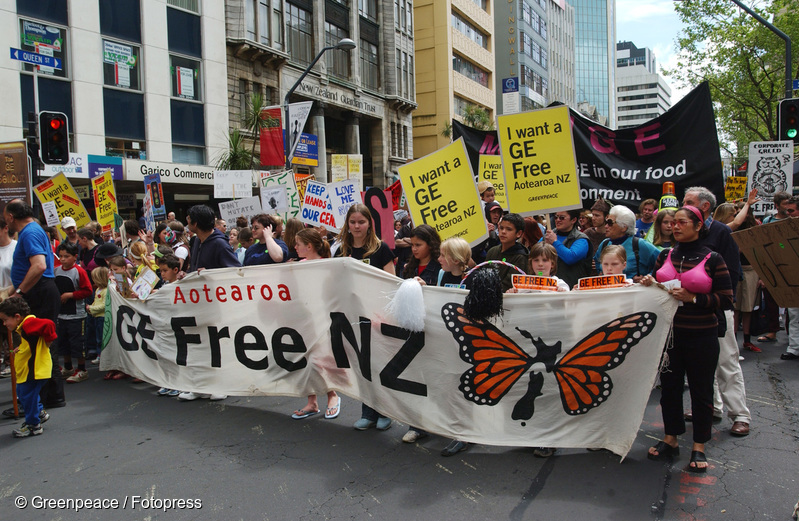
695, 354
44, 300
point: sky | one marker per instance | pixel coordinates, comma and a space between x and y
653, 24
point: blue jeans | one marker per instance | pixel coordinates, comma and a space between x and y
28, 394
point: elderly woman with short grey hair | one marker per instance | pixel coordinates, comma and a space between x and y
619, 229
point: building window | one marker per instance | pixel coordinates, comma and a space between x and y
121, 65
125, 148
482, 4
470, 70
370, 71
185, 74
339, 60
188, 5
471, 32
368, 9
393, 139
411, 84
188, 155
45, 39
265, 22
404, 141
300, 34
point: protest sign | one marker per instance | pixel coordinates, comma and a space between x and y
301, 180
248, 207
379, 203
396, 194
773, 251
735, 188
770, 171
316, 207
105, 200
285, 179
343, 194
355, 169
149, 218
50, 213
601, 282
14, 180
491, 171
144, 283
533, 282
538, 161
442, 193
274, 199
232, 184
59, 190
303, 328
338, 167
152, 184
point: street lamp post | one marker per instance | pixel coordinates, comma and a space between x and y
345, 44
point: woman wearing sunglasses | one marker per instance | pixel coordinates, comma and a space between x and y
705, 287
619, 229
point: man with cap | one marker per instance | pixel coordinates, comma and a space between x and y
486, 190
71, 229
34, 280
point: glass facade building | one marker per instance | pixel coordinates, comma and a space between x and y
595, 60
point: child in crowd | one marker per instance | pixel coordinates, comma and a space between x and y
118, 271
139, 258
74, 285
97, 308
544, 263
245, 241
33, 363
509, 230
614, 261
169, 266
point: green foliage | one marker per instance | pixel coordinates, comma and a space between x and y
237, 156
743, 62
477, 117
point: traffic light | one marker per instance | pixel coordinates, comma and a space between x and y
54, 138
788, 121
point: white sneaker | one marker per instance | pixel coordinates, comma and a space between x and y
188, 396
217, 397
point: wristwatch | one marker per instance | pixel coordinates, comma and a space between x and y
694, 299
19, 292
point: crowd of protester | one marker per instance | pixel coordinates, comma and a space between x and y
66, 282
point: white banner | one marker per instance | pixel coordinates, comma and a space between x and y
558, 370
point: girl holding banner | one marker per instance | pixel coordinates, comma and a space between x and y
359, 241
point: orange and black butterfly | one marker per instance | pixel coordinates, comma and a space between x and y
497, 362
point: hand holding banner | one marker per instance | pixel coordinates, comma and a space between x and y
442, 193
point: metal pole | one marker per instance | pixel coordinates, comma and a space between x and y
788, 66
286, 143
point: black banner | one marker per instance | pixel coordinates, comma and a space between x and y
630, 165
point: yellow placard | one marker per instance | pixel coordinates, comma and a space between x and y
538, 161
535, 282
491, 171
338, 167
67, 202
601, 282
441, 192
105, 200
735, 189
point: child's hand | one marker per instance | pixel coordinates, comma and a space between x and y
512, 290
420, 281
65, 297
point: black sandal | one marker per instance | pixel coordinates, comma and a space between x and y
664, 450
697, 456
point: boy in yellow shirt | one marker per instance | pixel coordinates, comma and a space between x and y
32, 360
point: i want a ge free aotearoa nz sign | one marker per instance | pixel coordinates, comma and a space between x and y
538, 161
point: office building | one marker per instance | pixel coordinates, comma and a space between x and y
595, 56
641, 93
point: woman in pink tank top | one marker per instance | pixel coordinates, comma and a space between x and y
705, 287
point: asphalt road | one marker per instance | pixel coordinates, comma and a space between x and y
244, 458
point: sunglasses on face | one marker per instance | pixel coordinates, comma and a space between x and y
561, 217
610, 222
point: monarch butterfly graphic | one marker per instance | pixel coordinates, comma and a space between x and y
497, 362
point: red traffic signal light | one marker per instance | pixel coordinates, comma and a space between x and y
53, 138
788, 120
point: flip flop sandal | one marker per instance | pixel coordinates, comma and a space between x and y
766, 339
120, 376
302, 414
336, 410
110, 375
664, 451
697, 456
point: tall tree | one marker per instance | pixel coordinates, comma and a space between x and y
742, 60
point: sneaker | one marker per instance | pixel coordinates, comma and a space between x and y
363, 424
163, 391
189, 396
383, 423
28, 430
173, 392
5, 372
749, 346
412, 436
217, 397
455, 447
543, 452
67, 372
78, 376
96, 361
44, 416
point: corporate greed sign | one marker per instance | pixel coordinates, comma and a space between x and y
558, 370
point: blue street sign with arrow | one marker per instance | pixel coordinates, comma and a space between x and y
35, 58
